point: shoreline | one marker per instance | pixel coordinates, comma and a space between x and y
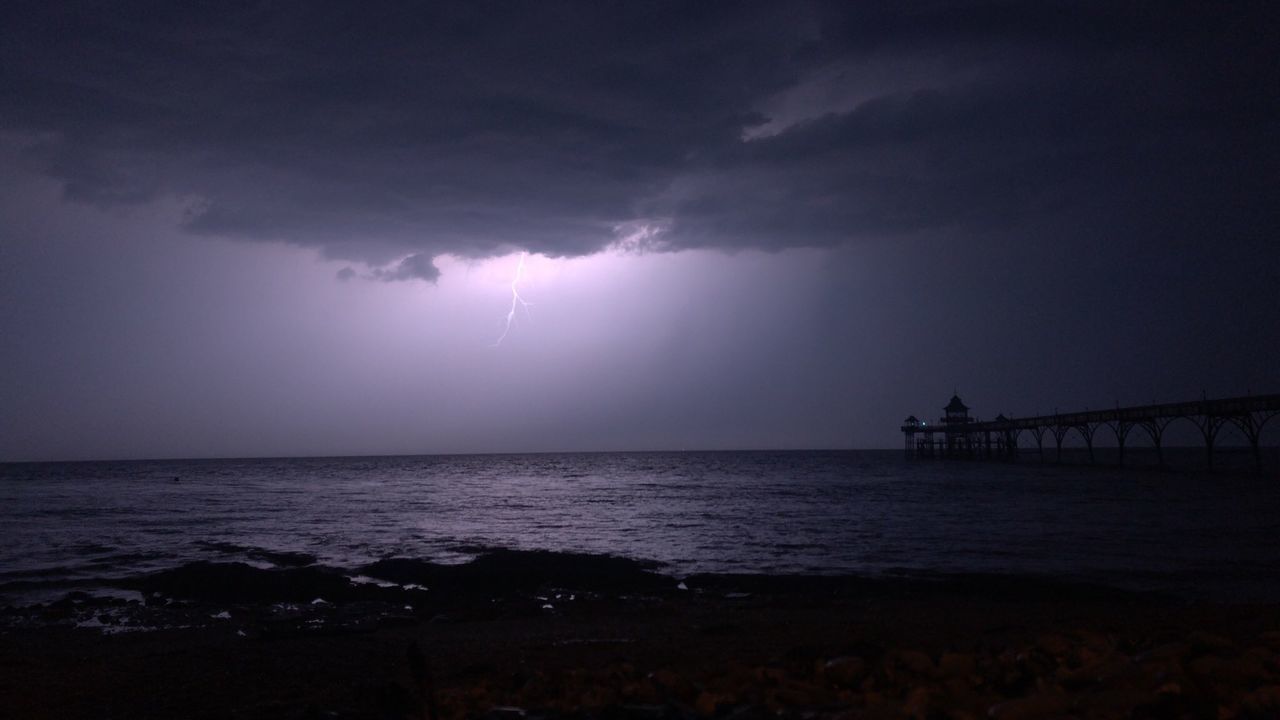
613, 639
295, 584
279, 577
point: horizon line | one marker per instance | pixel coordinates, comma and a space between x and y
445, 454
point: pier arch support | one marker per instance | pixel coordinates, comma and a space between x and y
1155, 428
1120, 428
1059, 434
1251, 424
1209, 425
1038, 432
1086, 431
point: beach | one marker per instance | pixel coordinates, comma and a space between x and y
561, 635
645, 586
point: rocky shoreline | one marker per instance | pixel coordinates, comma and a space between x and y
527, 634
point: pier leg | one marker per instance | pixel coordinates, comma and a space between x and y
1251, 426
1121, 429
1210, 431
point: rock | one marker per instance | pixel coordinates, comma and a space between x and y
593, 696
770, 675
674, 685
500, 571
1203, 642
1247, 670
1038, 661
750, 712
505, 712
55, 612
1010, 681
1112, 703
1271, 639
919, 703
635, 712
1164, 663
708, 703
1106, 670
793, 693
956, 665
913, 661
1056, 645
1090, 647
845, 672
1163, 653
1095, 641
1035, 706
1170, 706
1208, 666
391, 620
1263, 702
238, 582
1265, 659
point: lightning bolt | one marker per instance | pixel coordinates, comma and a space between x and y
516, 300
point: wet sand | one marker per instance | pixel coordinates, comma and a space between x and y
739, 647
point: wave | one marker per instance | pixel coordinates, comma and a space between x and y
282, 558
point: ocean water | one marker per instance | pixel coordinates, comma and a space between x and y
77, 525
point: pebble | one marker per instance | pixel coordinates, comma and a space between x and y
845, 671
914, 661
956, 665
708, 703
1035, 706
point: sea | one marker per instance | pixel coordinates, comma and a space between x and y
84, 525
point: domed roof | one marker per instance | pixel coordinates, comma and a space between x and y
956, 405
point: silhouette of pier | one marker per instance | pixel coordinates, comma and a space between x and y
957, 435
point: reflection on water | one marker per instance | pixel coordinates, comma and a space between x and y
864, 512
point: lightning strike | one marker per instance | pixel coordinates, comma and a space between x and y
516, 300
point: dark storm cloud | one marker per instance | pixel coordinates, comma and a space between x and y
414, 267
385, 130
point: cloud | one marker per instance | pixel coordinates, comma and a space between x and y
392, 132
414, 267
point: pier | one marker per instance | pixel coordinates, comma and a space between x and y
957, 435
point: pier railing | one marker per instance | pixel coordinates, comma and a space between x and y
999, 438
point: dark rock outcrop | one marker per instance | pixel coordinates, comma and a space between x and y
499, 572
238, 582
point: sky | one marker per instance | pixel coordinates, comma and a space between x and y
293, 228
